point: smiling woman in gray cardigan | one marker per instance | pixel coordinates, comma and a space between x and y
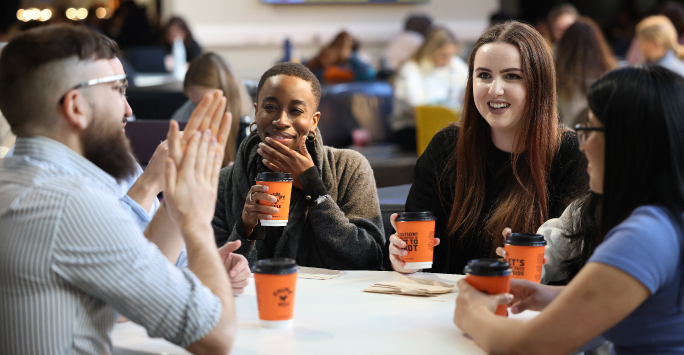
343, 230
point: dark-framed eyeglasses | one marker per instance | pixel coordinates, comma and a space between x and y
583, 132
121, 78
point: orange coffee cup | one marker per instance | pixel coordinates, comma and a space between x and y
275, 281
490, 276
280, 186
417, 229
525, 254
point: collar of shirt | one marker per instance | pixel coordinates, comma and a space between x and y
55, 153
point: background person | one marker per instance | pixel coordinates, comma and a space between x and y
658, 43
207, 73
631, 288
434, 75
341, 62
334, 219
507, 162
582, 56
401, 47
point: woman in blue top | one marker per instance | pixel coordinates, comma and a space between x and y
632, 288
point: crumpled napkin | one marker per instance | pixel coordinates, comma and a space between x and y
318, 274
411, 286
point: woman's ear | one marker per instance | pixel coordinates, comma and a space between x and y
314, 121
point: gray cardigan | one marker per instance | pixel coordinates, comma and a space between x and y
344, 232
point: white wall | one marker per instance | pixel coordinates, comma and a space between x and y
250, 33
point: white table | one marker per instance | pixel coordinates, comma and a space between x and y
336, 317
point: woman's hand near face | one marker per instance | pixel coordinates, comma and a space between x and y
253, 211
282, 159
397, 249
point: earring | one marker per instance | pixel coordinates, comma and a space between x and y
311, 137
252, 131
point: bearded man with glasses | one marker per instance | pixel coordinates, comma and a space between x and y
71, 258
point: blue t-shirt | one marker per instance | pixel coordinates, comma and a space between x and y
647, 247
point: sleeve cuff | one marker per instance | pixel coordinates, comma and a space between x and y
312, 183
257, 234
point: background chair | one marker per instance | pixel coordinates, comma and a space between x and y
430, 120
145, 136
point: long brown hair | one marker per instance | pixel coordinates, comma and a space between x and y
523, 204
209, 70
582, 57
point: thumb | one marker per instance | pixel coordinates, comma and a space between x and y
170, 175
502, 298
231, 246
302, 148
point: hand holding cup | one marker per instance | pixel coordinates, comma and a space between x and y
398, 249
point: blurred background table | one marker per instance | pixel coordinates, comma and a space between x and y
335, 317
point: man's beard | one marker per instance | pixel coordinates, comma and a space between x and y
108, 148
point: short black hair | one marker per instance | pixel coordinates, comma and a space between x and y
293, 69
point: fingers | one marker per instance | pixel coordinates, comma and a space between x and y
224, 131
190, 156
506, 232
436, 242
198, 114
274, 145
302, 148
170, 175
546, 260
201, 161
173, 138
463, 286
217, 116
393, 220
397, 250
212, 156
501, 252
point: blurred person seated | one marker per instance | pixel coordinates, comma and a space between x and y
658, 44
582, 57
334, 220
406, 43
341, 62
176, 27
672, 10
73, 260
434, 75
207, 73
559, 19
129, 25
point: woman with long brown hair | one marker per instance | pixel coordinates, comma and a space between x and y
582, 57
507, 163
207, 73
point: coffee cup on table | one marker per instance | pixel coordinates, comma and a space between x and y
491, 276
280, 186
525, 254
275, 281
417, 230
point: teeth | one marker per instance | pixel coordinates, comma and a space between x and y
498, 105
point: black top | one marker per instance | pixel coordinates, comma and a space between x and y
567, 179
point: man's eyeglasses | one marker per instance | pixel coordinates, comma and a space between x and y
108, 79
583, 132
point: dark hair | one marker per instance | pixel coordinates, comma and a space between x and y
293, 69
334, 52
209, 70
582, 57
27, 52
643, 119
178, 21
112, 46
523, 203
418, 23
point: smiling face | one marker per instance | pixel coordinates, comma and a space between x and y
286, 110
594, 148
499, 89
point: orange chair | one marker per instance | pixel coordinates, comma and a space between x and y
430, 120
